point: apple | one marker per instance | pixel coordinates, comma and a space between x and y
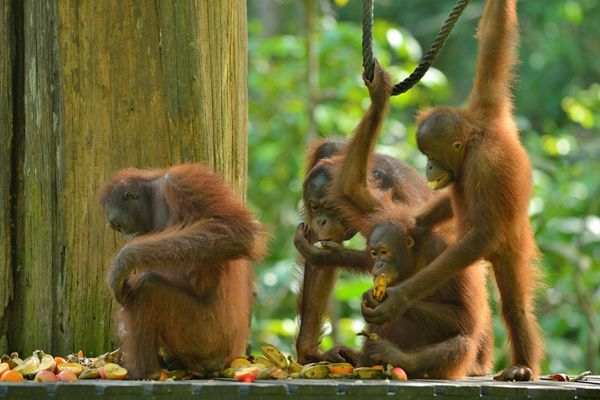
66, 375
45, 376
398, 374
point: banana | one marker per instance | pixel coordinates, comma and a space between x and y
239, 362
314, 371
37, 362
294, 366
379, 286
369, 373
263, 360
340, 368
274, 355
341, 376
90, 373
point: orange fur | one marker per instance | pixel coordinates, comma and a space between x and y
191, 292
491, 189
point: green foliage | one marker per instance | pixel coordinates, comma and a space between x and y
558, 111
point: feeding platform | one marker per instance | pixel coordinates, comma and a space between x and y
222, 389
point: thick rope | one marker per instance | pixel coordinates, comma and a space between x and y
367, 39
426, 61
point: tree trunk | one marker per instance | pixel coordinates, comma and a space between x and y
106, 85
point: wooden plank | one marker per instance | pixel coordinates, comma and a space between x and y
302, 389
6, 149
38, 207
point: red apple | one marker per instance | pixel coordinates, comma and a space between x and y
45, 376
67, 375
398, 374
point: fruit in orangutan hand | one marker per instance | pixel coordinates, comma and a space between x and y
67, 375
113, 372
74, 367
398, 374
274, 355
246, 374
379, 286
340, 368
45, 376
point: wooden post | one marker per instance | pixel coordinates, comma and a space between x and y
108, 85
6, 150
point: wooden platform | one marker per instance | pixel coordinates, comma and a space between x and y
474, 388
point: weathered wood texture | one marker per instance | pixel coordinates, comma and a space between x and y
107, 85
6, 129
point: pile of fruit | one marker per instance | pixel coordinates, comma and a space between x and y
42, 367
274, 365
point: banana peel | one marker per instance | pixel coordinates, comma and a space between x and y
114, 357
274, 355
38, 361
90, 373
263, 360
13, 360
239, 362
340, 368
341, 376
294, 366
314, 371
369, 373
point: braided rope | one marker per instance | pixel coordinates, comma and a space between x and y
425, 62
367, 39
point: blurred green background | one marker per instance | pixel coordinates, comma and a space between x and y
557, 99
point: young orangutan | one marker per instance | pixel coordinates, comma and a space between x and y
476, 150
324, 224
448, 333
184, 279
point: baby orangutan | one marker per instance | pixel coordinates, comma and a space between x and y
446, 335
184, 280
